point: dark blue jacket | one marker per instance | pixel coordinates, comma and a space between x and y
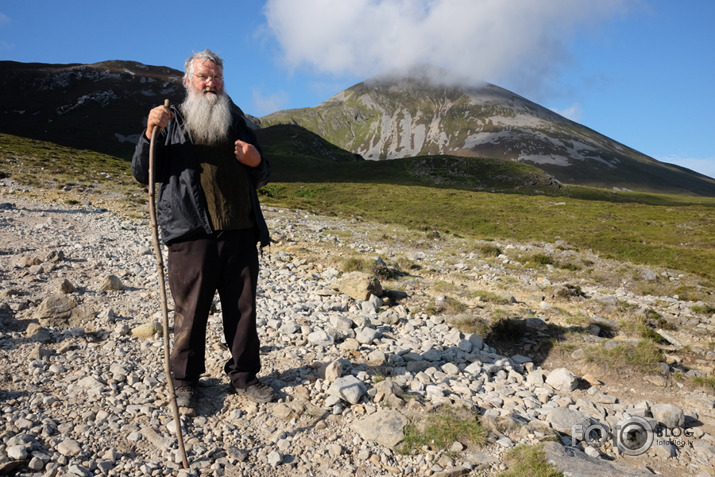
181, 208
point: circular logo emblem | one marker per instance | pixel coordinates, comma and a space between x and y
596, 435
634, 435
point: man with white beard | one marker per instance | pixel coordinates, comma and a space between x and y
208, 166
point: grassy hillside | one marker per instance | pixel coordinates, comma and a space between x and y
73, 176
472, 197
675, 235
293, 151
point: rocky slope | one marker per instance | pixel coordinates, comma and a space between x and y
82, 386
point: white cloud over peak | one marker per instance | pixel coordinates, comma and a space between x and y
519, 42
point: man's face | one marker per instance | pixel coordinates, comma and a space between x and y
207, 78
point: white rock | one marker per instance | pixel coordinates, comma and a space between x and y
18, 452
69, 447
275, 458
348, 388
668, 415
562, 380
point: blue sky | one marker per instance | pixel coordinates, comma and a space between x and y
641, 72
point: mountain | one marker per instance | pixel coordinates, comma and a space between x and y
388, 119
103, 106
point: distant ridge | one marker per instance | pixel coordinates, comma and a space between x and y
99, 106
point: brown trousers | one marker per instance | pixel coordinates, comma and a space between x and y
227, 263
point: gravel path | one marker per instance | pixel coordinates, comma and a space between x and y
82, 391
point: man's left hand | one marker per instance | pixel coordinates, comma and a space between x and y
247, 153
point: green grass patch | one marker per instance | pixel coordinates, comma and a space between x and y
704, 309
491, 297
541, 259
577, 319
472, 324
642, 357
439, 430
643, 326
705, 382
530, 461
442, 286
71, 175
489, 250
447, 306
354, 264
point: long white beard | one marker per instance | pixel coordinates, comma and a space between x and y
208, 116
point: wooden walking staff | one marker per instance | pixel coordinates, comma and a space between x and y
162, 290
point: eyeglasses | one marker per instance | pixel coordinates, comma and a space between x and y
206, 78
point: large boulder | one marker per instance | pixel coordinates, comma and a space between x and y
60, 310
384, 427
572, 462
358, 285
668, 415
562, 380
564, 419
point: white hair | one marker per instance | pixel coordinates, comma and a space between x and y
206, 55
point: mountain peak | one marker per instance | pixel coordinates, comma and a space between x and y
395, 117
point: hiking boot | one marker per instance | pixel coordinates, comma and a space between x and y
257, 392
186, 400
